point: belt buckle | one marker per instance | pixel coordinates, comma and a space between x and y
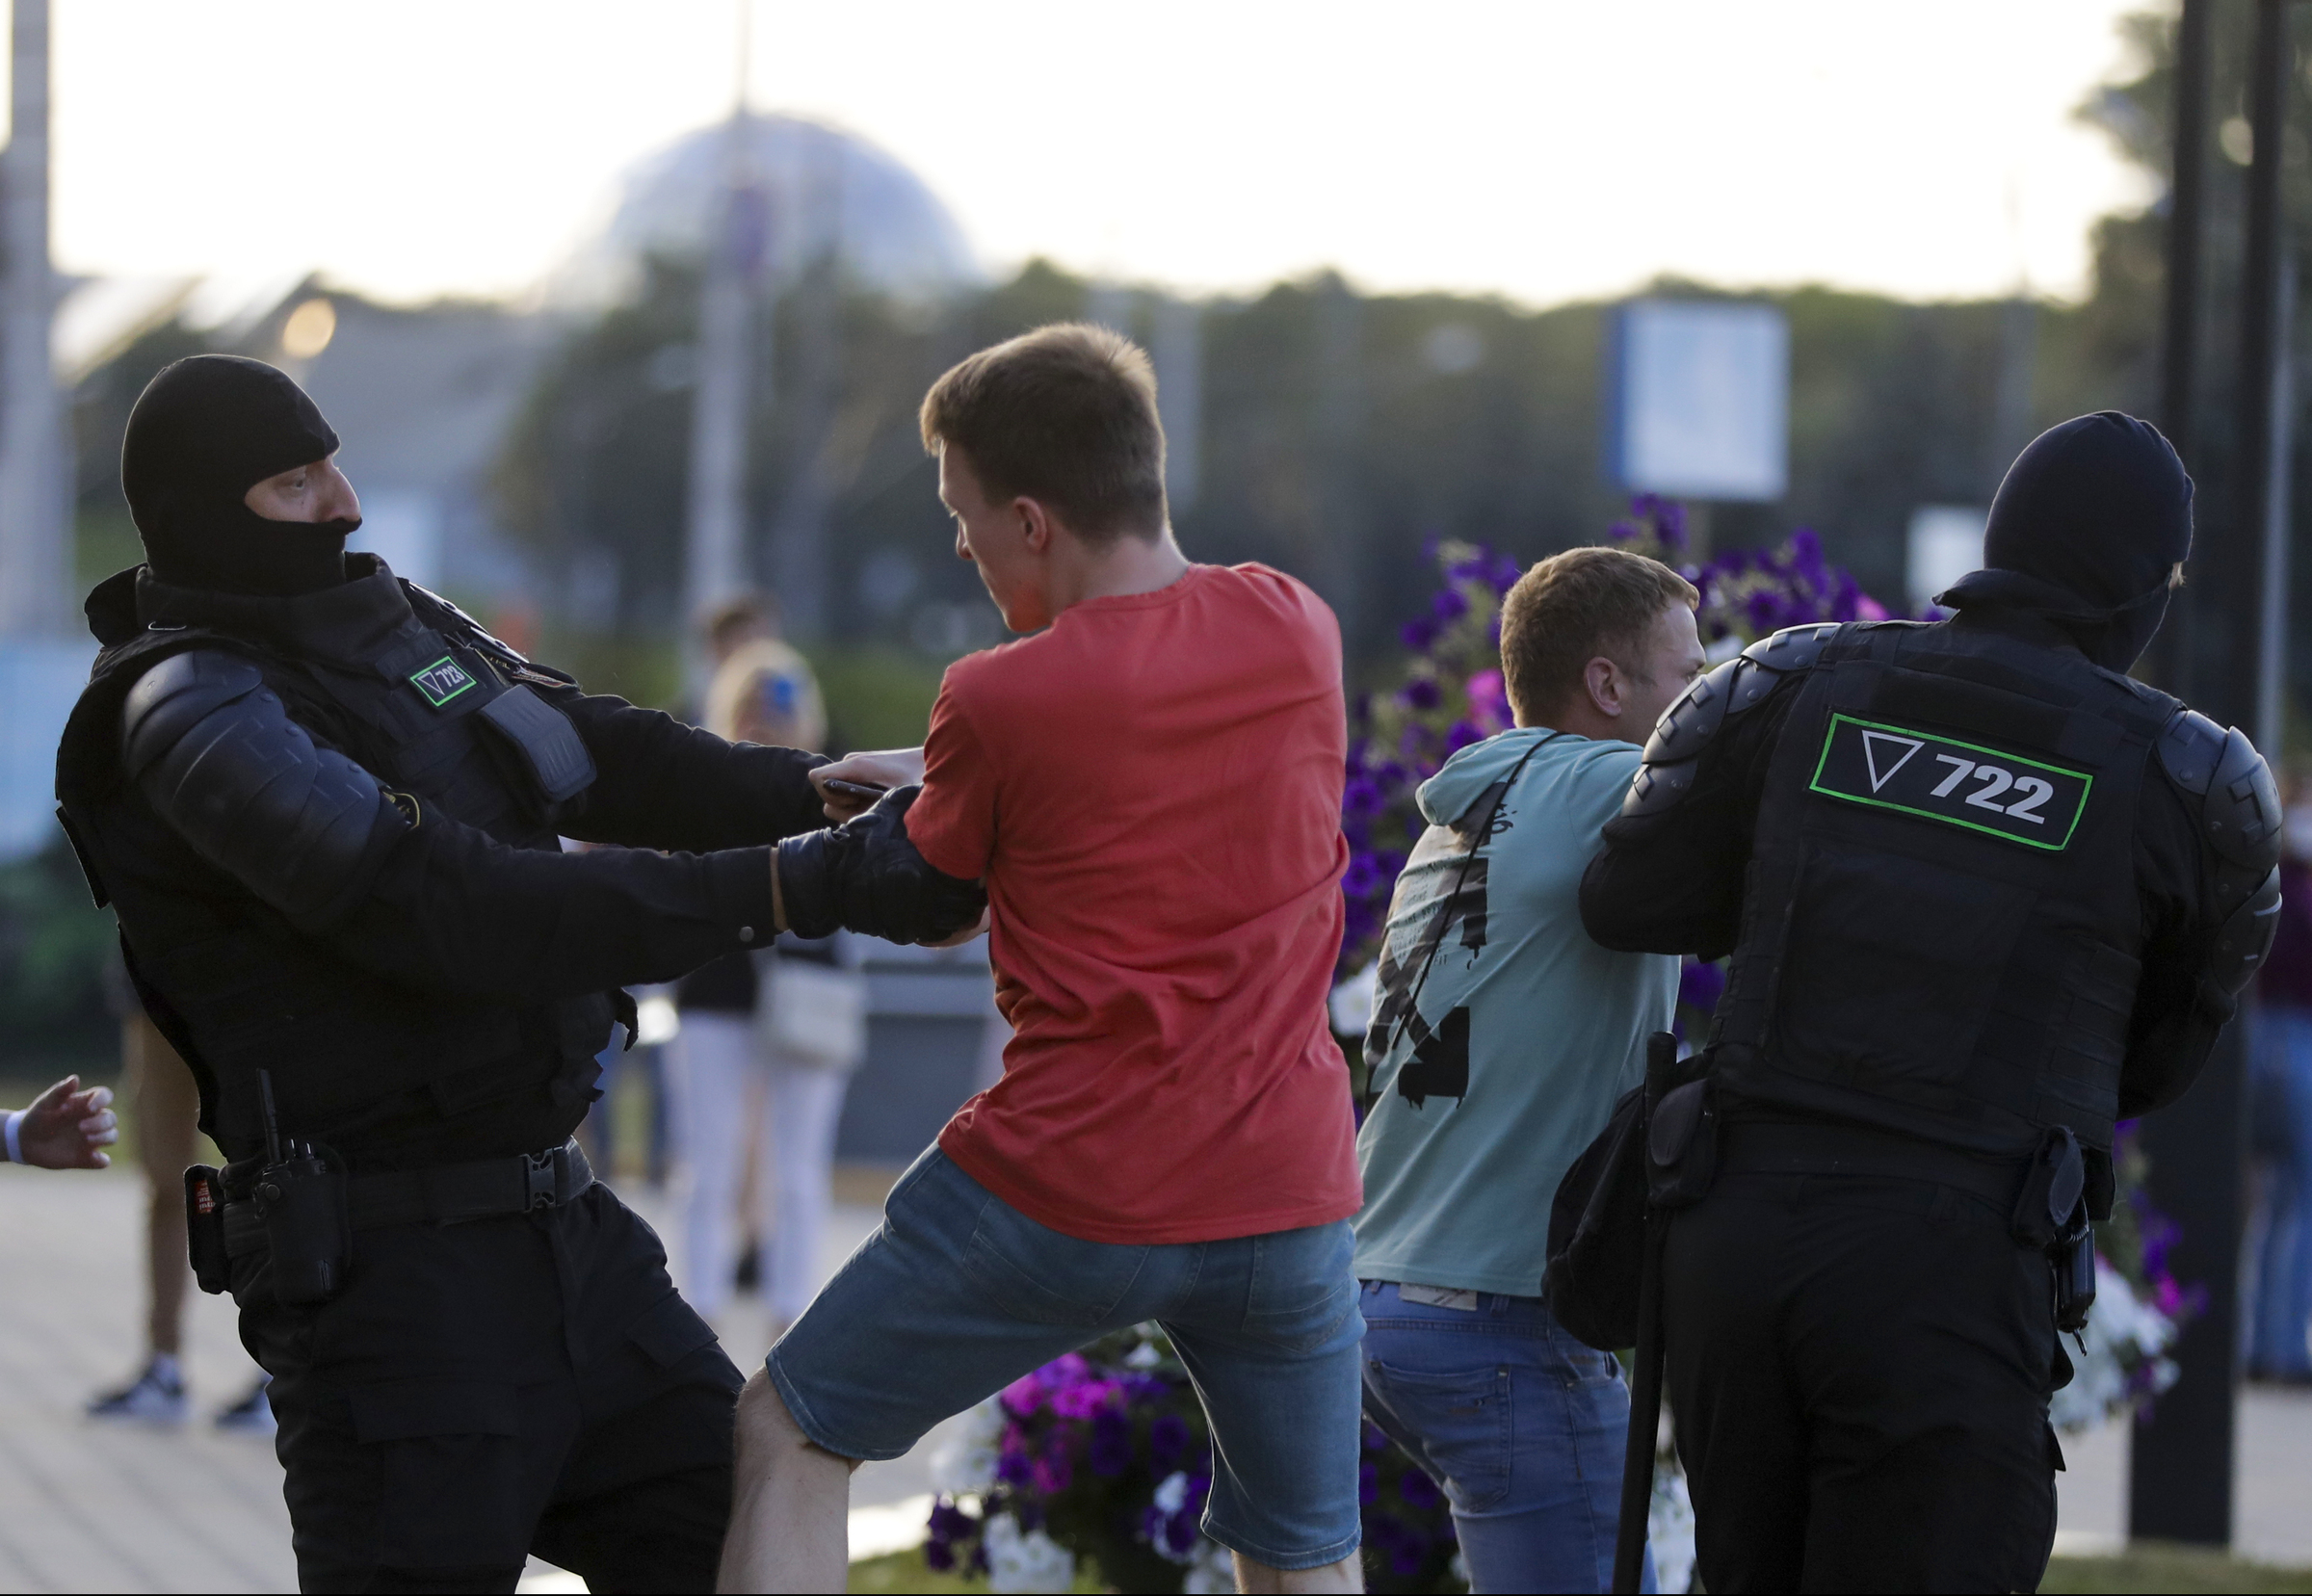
542, 1179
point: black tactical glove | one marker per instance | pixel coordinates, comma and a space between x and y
865, 876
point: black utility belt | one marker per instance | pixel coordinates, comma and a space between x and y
303, 1212
1781, 1147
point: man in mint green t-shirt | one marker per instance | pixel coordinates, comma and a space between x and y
1501, 1036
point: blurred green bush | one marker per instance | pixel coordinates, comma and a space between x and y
55, 946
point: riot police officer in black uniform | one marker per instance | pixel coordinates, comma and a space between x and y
1984, 896
325, 805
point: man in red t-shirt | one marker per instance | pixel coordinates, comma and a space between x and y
1148, 785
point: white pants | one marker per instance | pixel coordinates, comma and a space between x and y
719, 1073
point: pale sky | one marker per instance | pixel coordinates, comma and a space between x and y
1544, 149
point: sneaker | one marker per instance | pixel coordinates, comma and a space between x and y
155, 1397
252, 1414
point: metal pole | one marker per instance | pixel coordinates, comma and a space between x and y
2182, 1486
2179, 353
715, 548
36, 551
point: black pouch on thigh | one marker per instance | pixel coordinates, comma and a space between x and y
1681, 1146
455, 1488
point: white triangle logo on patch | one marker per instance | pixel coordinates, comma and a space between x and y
1878, 745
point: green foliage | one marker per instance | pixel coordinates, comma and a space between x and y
877, 697
2156, 1567
54, 946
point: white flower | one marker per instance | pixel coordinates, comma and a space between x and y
2123, 1333
1029, 1562
1669, 1528
1172, 1495
1143, 1356
964, 1464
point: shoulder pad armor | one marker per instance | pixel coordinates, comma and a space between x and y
1694, 717
214, 753
2240, 802
1793, 647
2189, 745
174, 696
1656, 788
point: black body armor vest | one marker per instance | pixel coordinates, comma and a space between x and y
1942, 920
410, 689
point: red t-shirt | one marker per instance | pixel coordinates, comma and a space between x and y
1151, 789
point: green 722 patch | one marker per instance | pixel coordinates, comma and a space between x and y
441, 681
1940, 778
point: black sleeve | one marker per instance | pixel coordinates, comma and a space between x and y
662, 784
2178, 1008
454, 911
1671, 882
413, 896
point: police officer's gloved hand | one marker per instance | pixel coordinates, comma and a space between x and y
865, 876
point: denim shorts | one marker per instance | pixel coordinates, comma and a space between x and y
959, 1294
1521, 1425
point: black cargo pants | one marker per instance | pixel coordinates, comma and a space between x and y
1859, 1372
485, 1390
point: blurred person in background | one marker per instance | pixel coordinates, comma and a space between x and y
327, 807
768, 1040
1472, 1123
164, 1109
2282, 1095
67, 1127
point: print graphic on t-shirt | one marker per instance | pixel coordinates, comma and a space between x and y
1446, 887
1941, 778
1439, 1066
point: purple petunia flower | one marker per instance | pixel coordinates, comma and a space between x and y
1012, 1468
1421, 693
1368, 1483
1460, 735
1363, 877
1167, 1439
1449, 606
1111, 1450
1420, 1492
1702, 985
1418, 635
1082, 1401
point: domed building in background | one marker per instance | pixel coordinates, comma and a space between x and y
822, 188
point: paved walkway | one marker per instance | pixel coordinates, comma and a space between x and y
94, 1507
108, 1508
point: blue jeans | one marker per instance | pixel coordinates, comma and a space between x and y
2283, 1094
1521, 1425
959, 1293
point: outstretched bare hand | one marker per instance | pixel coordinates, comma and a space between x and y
67, 1128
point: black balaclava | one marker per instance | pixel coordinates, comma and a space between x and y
2091, 521
203, 433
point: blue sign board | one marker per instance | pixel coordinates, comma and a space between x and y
1698, 399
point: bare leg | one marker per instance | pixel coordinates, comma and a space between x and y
790, 1518
163, 1105
1348, 1574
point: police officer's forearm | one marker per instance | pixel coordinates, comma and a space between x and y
663, 784
454, 911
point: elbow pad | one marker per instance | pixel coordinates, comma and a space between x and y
2238, 804
214, 753
866, 876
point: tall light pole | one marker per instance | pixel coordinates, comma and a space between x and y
35, 565
715, 562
